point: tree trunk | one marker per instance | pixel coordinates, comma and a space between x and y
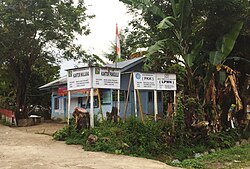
22, 77
21, 98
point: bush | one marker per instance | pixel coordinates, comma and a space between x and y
150, 139
131, 137
224, 139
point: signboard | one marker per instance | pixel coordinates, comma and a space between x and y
154, 81
165, 81
78, 79
61, 91
106, 78
144, 81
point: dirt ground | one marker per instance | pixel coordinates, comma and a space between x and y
32, 147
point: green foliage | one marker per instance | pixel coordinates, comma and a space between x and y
5, 122
236, 157
154, 140
191, 163
69, 134
179, 123
37, 32
131, 138
226, 45
225, 139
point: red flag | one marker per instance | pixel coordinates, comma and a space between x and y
117, 41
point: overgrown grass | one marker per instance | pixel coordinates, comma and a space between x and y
236, 157
131, 138
5, 122
151, 140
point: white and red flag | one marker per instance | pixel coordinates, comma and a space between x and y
117, 42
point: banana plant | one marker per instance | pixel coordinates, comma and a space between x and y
179, 30
217, 58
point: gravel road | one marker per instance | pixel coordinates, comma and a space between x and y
24, 148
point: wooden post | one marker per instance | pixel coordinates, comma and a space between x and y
87, 100
127, 98
99, 101
135, 101
91, 99
155, 104
140, 105
175, 101
68, 106
118, 103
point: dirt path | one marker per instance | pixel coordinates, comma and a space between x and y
21, 148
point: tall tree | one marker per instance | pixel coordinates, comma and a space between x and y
31, 30
203, 33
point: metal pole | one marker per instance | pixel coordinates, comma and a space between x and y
69, 106
118, 103
174, 101
91, 99
135, 102
155, 104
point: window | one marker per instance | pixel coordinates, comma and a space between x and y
56, 103
105, 97
114, 95
82, 102
159, 96
123, 95
150, 96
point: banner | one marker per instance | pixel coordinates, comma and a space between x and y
106, 78
78, 79
154, 81
144, 81
165, 81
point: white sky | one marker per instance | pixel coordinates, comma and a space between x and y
108, 13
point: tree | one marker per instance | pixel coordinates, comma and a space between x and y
128, 43
38, 30
203, 33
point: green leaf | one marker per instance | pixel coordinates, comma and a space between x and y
189, 58
215, 57
230, 39
148, 5
227, 45
166, 23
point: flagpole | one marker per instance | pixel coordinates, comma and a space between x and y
118, 53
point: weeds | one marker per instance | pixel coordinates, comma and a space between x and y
151, 140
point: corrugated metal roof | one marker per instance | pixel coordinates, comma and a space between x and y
57, 82
127, 64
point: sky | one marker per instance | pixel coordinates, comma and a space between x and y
108, 13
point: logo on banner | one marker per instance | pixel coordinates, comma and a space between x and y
138, 76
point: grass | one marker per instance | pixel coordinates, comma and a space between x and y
236, 157
155, 141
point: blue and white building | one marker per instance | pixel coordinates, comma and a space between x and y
107, 97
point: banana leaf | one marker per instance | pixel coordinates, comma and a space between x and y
227, 45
